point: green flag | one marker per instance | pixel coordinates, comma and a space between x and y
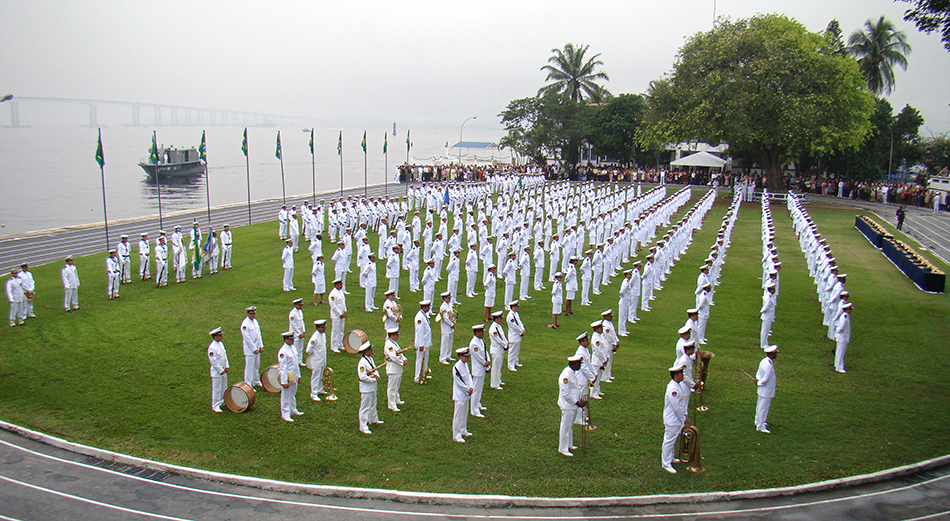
385, 140
277, 153
339, 145
407, 141
363, 144
100, 156
244, 143
311, 141
202, 150
153, 153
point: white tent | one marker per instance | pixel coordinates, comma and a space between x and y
700, 159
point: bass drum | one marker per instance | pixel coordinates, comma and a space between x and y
270, 379
239, 397
353, 340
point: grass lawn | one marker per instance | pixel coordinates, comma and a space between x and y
132, 376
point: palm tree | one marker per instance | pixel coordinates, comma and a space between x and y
575, 76
878, 48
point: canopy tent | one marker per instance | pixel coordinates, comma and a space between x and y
700, 159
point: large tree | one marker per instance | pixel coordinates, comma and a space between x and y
575, 75
613, 126
547, 126
878, 48
930, 16
764, 84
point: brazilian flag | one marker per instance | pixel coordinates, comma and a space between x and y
311, 141
385, 140
339, 145
277, 153
407, 141
244, 143
153, 153
203, 149
100, 156
363, 144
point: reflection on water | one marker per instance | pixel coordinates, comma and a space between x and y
178, 192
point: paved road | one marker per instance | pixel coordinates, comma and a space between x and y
931, 230
45, 246
40, 482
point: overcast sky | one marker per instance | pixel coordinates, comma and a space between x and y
371, 62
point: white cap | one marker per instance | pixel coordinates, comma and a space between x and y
462, 351
597, 323
575, 358
497, 314
683, 330
582, 336
215, 331
391, 330
676, 368
771, 349
364, 347
423, 303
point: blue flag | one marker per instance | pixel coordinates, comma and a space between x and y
446, 195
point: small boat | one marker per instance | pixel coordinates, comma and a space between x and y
174, 162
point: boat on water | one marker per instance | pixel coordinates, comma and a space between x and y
174, 162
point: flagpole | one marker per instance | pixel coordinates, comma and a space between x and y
207, 192
158, 188
386, 166
365, 165
247, 164
408, 168
313, 165
102, 172
280, 155
339, 150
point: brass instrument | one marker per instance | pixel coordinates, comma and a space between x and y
421, 377
705, 357
328, 388
689, 449
403, 350
397, 311
373, 370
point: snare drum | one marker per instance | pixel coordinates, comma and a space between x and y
270, 379
353, 340
239, 397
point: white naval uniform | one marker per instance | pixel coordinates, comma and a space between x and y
218, 358
674, 418
568, 396
226, 240
251, 337
766, 391
462, 386
70, 287
423, 344
124, 254
842, 338
448, 331
337, 321
395, 364
161, 264
297, 326
368, 281
368, 380
287, 262
113, 271
144, 251
289, 374
499, 344
317, 353
480, 357
515, 332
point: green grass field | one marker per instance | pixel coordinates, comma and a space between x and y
132, 376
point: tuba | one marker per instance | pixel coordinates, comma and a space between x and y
328, 385
705, 357
689, 449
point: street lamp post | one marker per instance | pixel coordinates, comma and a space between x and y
460, 137
7, 97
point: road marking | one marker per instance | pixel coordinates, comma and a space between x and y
738, 512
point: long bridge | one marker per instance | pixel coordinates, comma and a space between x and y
159, 114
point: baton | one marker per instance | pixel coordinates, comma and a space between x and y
747, 374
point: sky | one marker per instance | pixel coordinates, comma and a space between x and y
418, 63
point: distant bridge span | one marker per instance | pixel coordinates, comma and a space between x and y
163, 114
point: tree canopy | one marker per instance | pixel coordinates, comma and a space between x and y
765, 84
575, 75
930, 16
878, 48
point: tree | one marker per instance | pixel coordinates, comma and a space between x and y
833, 39
878, 48
575, 76
930, 16
892, 141
545, 126
763, 84
613, 127
935, 153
